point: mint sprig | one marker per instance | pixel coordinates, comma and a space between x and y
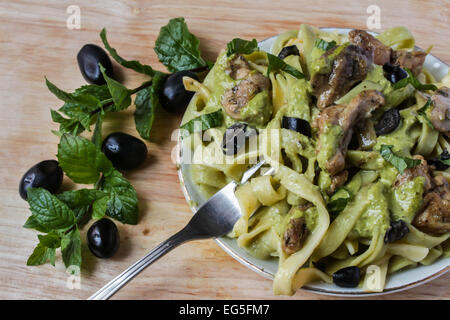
241, 46
277, 64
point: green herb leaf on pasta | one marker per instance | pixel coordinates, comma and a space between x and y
422, 112
177, 48
277, 64
130, 64
147, 101
411, 79
241, 46
401, 163
81, 160
325, 45
202, 123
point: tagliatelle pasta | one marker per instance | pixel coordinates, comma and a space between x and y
334, 199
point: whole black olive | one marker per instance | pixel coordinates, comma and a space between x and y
347, 277
235, 137
297, 124
288, 51
88, 59
174, 97
396, 231
437, 162
389, 122
46, 174
103, 238
394, 73
125, 151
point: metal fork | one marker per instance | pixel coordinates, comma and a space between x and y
214, 218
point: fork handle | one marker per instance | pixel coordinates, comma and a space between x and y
118, 282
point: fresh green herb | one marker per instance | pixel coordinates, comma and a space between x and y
71, 248
130, 64
324, 45
120, 94
177, 48
45, 250
336, 206
202, 123
241, 46
422, 112
79, 201
401, 163
276, 63
97, 135
147, 101
411, 79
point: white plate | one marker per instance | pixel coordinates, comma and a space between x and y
402, 280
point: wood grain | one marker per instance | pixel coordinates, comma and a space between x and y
34, 42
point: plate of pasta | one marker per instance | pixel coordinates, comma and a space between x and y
356, 127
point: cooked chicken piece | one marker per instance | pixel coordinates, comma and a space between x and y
347, 117
238, 68
440, 114
372, 46
412, 60
337, 181
294, 235
422, 170
349, 68
237, 97
435, 215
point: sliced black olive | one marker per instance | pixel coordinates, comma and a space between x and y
394, 73
396, 231
125, 151
174, 97
347, 277
437, 162
88, 59
235, 137
297, 124
103, 238
46, 174
389, 122
288, 51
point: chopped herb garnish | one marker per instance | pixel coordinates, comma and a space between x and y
411, 79
276, 64
422, 112
241, 46
401, 163
325, 45
202, 123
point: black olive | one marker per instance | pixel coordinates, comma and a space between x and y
437, 162
288, 51
174, 97
389, 122
396, 231
347, 277
297, 124
125, 151
88, 59
235, 137
46, 174
394, 73
103, 238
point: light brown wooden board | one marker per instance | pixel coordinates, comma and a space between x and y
34, 42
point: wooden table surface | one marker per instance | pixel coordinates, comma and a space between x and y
35, 42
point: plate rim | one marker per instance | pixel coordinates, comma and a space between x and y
264, 273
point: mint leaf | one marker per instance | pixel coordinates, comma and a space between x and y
130, 64
241, 46
71, 248
146, 101
85, 100
276, 64
336, 206
101, 92
122, 204
411, 79
177, 48
99, 208
422, 112
32, 223
41, 254
401, 163
70, 126
97, 135
324, 45
203, 122
81, 160
120, 94
80, 200
48, 211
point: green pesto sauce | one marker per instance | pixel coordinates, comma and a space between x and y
329, 143
258, 110
406, 200
376, 214
310, 215
324, 64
